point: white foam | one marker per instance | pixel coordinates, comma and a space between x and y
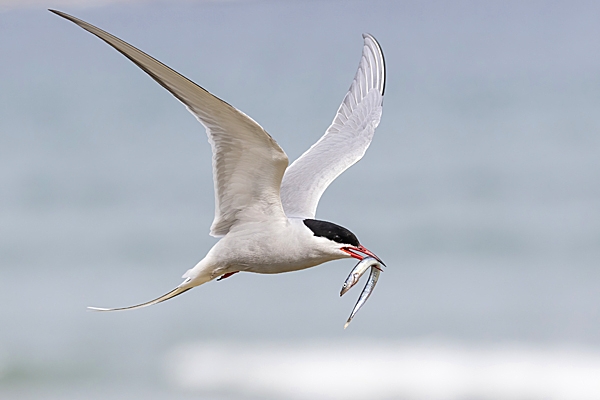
370, 369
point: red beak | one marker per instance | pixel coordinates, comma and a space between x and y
361, 252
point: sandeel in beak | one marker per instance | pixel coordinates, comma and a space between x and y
354, 277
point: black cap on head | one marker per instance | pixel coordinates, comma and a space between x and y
332, 231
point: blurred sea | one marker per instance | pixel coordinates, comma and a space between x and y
480, 191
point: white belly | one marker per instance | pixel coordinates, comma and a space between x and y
269, 249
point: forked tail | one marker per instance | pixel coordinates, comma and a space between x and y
175, 292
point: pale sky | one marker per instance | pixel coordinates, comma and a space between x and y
15, 4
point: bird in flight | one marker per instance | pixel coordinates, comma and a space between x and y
265, 210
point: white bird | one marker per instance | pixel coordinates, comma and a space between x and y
265, 210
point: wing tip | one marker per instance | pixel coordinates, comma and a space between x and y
368, 37
60, 13
69, 17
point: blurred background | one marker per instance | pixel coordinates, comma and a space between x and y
480, 191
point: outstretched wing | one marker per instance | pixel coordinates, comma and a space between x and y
248, 164
344, 142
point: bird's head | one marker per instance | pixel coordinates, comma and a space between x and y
342, 239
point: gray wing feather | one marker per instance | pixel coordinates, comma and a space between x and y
345, 141
248, 165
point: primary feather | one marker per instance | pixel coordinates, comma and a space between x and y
248, 164
344, 142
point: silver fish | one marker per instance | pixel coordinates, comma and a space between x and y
357, 272
371, 282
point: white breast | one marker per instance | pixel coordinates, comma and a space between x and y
273, 248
